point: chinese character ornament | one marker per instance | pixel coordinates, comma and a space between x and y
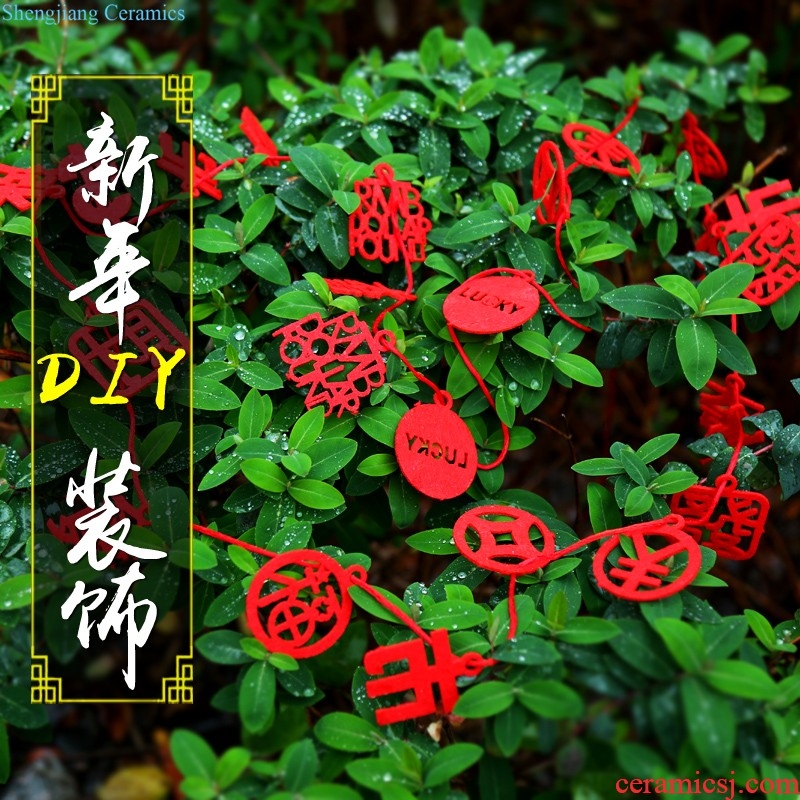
298, 603
338, 360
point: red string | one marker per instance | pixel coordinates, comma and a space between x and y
231, 540
512, 607
391, 608
485, 389
387, 341
561, 260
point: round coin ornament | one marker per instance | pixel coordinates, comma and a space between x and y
435, 451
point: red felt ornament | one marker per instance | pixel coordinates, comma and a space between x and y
549, 185
144, 326
338, 359
432, 683
489, 303
260, 139
728, 520
435, 450
643, 577
722, 408
15, 186
593, 148
298, 603
177, 165
502, 539
389, 223
707, 159
773, 248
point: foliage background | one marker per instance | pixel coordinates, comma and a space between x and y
320, 39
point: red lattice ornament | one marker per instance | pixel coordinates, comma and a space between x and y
707, 159
144, 326
177, 165
642, 578
435, 450
338, 360
66, 531
550, 186
91, 211
759, 203
723, 407
593, 148
260, 139
489, 304
298, 603
502, 536
389, 223
773, 248
15, 186
432, 683
730, 521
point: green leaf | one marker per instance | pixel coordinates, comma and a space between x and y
257, 217
478, 225
437, 541
603, 511
634, 465
211, 240
231, 766
761, 627
315, 494
453, 615
550, 699
306, 430
451, 761
257, 697
649, 302
657, 447
379, 423
600, 252
741, 679
15, 392
683, 289
316, 168
222, 647
666, 235
672, 482
329, 456
683, 642
15, 592
378, 465
265, 474
697, 350
726, 282
252, 415
730, 47
598, 466
484, 700
347, 732
639, 501
192, 755
211, 395
711, 723
295, 305
331, 229
588, 630
578, 368
265, 261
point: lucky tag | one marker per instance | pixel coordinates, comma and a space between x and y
487, 304
435, 451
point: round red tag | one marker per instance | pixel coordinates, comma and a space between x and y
491, 304
436, 451
298, 603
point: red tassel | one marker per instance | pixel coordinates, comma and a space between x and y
600, 150
550, 186
260, 139
707, 159
177, 165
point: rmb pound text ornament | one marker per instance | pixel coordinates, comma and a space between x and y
338, 360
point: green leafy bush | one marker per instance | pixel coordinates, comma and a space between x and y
592, 688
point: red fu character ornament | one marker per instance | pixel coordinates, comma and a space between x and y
338, 360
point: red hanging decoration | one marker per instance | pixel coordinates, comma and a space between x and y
337, 359
177, 165
642, 578
389, 223
550, 186
431, 683
15, 186
600, 150
298, 603
728, 520
722, 408
435, 450
144, 326
503, 538
707, 159
489, 304
260, 139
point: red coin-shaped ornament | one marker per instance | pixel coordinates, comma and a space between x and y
488, 304
642, 578
499, 538
436, 451
298, 603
